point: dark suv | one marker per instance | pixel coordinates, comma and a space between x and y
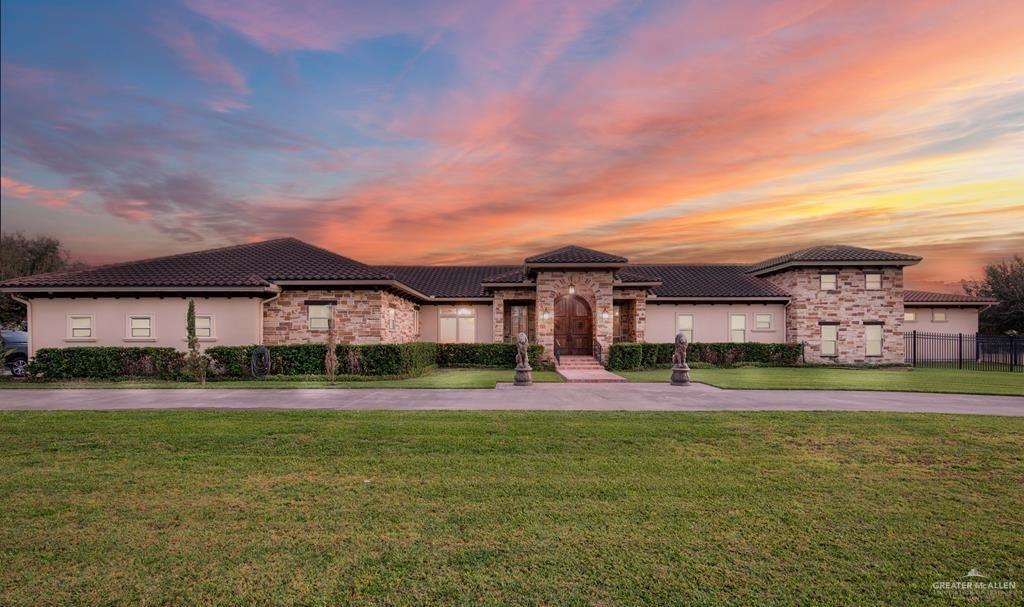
17, 361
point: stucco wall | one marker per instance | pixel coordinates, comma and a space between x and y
429, 315
958, 320
711, 321
850, 305
236, 321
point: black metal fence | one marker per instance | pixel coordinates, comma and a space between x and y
965, 351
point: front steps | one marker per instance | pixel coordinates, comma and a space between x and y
584, 369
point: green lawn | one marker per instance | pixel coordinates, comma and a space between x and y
439, 378
815, 378
505, 508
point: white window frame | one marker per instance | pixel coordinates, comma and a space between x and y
732, 329
463, 334
834, 280
867, 284
870, 342
310, 318
213, 333
757, 321
936, 313
909, 316
686, 331
129, 329
829, 344
392, 318
70, 333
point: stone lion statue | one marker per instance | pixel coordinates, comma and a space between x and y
522, 350
679, 354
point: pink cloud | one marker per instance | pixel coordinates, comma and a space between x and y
55, 198
203, 58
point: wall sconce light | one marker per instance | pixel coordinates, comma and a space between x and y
546, 315
572, 289
604, 315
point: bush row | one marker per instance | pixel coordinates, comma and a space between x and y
632, 356
301, 359
108, 363
484, 355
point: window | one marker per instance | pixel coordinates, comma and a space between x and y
938, 316
829, 334
873, 337
737, 328
319, 316
617, 331
684, 324
80, 327
828, 282
763, 322
140, 327
519, 321
457, 325
910, 317
391, 319
204, 325
873, 281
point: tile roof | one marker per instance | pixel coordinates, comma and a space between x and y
832, 253
712, 281
448, 281
247, 265
518, 274
912, 296
574, 254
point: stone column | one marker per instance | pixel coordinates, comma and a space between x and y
498, 314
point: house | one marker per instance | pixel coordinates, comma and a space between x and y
846, 304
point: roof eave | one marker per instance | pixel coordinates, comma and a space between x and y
148, 289
948, 304
745, 299
824, 264
555, 265
394, 284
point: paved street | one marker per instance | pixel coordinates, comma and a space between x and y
558, 397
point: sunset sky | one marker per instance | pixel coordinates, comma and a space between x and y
476, 132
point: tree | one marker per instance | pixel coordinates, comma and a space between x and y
22, 255
197, 361
331, 356
1003, 281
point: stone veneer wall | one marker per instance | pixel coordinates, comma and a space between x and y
407, 325
593, 286
359, 317
501, 295
636, 325
851, 305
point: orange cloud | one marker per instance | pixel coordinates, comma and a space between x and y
54, 198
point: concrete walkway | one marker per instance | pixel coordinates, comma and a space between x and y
558, 397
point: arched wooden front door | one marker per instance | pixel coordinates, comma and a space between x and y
574, 325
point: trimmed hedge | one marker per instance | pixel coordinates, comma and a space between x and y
405, 359
498, 355
308, 359
634, 356
108, 363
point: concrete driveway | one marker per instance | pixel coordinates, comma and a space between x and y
556, 397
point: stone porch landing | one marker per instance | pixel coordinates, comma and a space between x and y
585, 369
